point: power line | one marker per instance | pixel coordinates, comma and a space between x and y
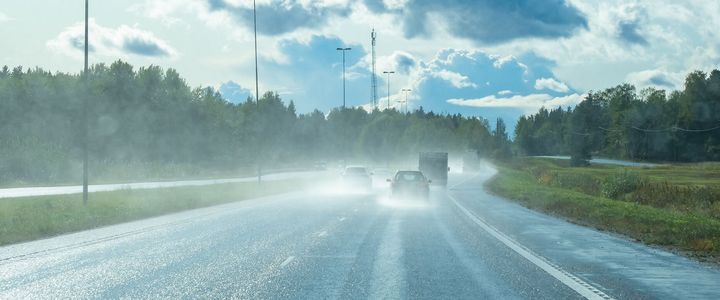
610, 130
673, 128
652, 130
696, 130
578, 133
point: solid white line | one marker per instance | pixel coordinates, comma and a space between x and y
578, 285
287, 261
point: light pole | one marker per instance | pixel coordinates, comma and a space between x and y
401, 104
343, 55
85, 113
406, 91
388, 85
257, 90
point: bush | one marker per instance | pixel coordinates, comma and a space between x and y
616, 185
704, 200
576, 181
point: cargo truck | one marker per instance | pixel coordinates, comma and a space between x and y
434, 165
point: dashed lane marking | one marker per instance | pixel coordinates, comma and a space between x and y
287, 261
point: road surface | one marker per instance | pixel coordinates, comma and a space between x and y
76, 189
461, 244
607, 161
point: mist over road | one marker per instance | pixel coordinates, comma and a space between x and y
323, 243
76, 189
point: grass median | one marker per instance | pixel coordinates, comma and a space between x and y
682, 214
31, 218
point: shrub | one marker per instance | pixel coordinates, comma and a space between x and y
576, 181
704, 200
616, 185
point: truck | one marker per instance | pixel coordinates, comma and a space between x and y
434, 165
470, 162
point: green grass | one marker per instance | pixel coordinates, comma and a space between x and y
538, 184
30, 218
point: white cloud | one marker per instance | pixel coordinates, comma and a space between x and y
655, 78
527, 103
399, 61
456, 79
551, 84
5, 18
104, 41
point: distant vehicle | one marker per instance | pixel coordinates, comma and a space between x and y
357, 177
320, 166
470, 162
409, 184
434, 165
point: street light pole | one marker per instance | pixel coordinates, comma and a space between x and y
388, 86
406, 91
85, 113
257, 89
343, 57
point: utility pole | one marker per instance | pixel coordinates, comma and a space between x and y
343, 56
373, 37
388, 86
406, 91
257, 92
85, 113
401, 104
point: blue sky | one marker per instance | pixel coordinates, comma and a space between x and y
482, 57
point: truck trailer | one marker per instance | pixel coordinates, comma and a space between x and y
434, 165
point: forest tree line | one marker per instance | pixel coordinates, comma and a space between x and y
620, 122
148, 122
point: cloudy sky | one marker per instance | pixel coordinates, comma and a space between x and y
493, 58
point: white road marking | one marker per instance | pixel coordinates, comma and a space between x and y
578, 285
287, 261
341, 219
322, 233
388, 270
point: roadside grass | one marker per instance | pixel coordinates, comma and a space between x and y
31, 218
684, 213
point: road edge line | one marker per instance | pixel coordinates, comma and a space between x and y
578, 285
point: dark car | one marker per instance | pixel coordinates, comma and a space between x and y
356, 177
410, 184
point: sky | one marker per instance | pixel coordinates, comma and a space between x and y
488, 58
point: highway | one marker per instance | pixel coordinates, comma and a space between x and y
606, 161
320, 243
76, 189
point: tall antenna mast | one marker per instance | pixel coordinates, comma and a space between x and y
373, 35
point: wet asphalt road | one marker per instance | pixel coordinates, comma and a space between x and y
319, 244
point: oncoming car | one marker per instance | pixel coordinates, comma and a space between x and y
409, 184
357, 177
